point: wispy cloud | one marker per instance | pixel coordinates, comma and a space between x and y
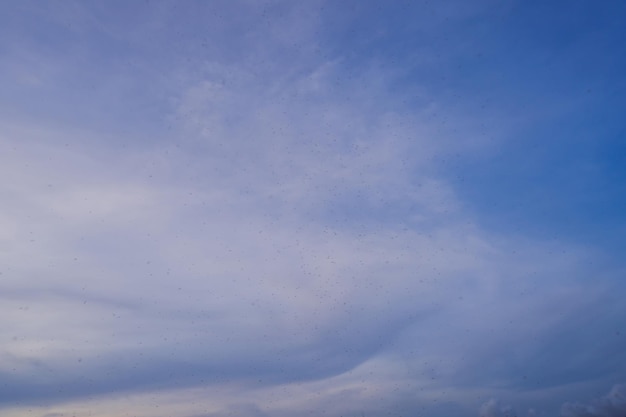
256, 219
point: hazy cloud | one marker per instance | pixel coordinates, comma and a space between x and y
493, 408
231, 208
611, 405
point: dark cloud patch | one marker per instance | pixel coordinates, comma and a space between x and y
336, 349
314, 354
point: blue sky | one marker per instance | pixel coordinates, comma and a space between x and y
312, 208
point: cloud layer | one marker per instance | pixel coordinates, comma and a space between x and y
209, 211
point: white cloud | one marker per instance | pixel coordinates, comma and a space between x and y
200, 252
290, 240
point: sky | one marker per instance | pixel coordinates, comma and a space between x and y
313, 208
